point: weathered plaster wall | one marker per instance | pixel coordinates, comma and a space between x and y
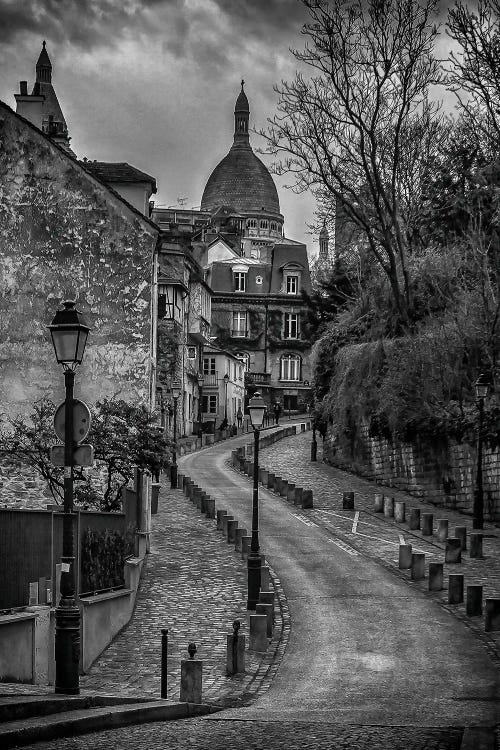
64, 235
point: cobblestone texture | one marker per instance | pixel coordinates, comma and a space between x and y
377, 536
195, 585
200, 734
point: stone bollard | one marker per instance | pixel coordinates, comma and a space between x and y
404, 556
197, 497
348, 501
492, 615
388, 507
435, 576
268, 610
474, 604
414, 522
185, 480
276, 483
245, 546
442, 530
180, 481
203, 502
297, 498
283, 488
232, 525
378, 505
427, 524
187, 486
264, 577
258, 633
250, 468
264, 475
417, 572
270, 480
455, 588
453, 550
266, 597
476, 545
400, 511
237, 541
307, 499
191, 677
235, 652
210, 506
290, 493
220, 516
461, 533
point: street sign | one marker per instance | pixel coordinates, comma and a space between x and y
81, 420
83, 455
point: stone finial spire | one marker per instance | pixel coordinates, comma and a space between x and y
324, 240
44, 66
241, 115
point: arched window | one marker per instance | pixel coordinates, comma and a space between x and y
274, 226
264, 224
251, 223
244, 358
290, 367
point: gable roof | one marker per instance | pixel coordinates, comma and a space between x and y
117, 172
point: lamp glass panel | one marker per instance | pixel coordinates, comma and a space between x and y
481, 390
65, 344
82, 342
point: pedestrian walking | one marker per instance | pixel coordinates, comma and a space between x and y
277, 412
239, 417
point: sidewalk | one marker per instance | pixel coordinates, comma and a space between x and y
194, 584
377, 536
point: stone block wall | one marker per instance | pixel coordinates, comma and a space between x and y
443, 473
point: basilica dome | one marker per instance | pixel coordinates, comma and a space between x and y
241, 180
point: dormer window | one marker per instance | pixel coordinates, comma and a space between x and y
240, 281
292, 284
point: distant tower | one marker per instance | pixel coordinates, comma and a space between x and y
324, 240
41, 107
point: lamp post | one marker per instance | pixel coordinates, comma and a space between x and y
226, 381
481, 387
201, 380
69, 333
176, 392
314, 444
256, 407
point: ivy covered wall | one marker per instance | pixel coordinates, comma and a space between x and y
64, 235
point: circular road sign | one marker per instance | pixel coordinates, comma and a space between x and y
81, 420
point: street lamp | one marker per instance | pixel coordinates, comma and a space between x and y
256, 407
176, 392
226, 381
201, 380
69, 333
481, 387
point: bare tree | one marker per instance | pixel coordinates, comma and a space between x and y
475, 73
358, 131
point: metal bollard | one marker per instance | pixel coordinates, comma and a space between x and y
164, 661
235, 652
455, 588
442, 531
461, 533
388, 507
476, 545
378, 503
474, 605
348, 501
414, 519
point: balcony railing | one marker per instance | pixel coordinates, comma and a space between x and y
211, 379
258, 378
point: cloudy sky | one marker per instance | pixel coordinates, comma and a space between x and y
153, 82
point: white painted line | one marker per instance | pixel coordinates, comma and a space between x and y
344, 518
386, 541
343, 546
304, 520
355, 522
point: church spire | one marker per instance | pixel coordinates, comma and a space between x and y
44, 67
324, 240
241, 116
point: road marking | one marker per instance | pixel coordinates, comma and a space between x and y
304, 520
344, 518
355, 522
343, 546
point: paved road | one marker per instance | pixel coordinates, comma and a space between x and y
370, 663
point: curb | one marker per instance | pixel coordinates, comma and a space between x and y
25, 732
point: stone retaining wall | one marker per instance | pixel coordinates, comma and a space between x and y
443, 473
